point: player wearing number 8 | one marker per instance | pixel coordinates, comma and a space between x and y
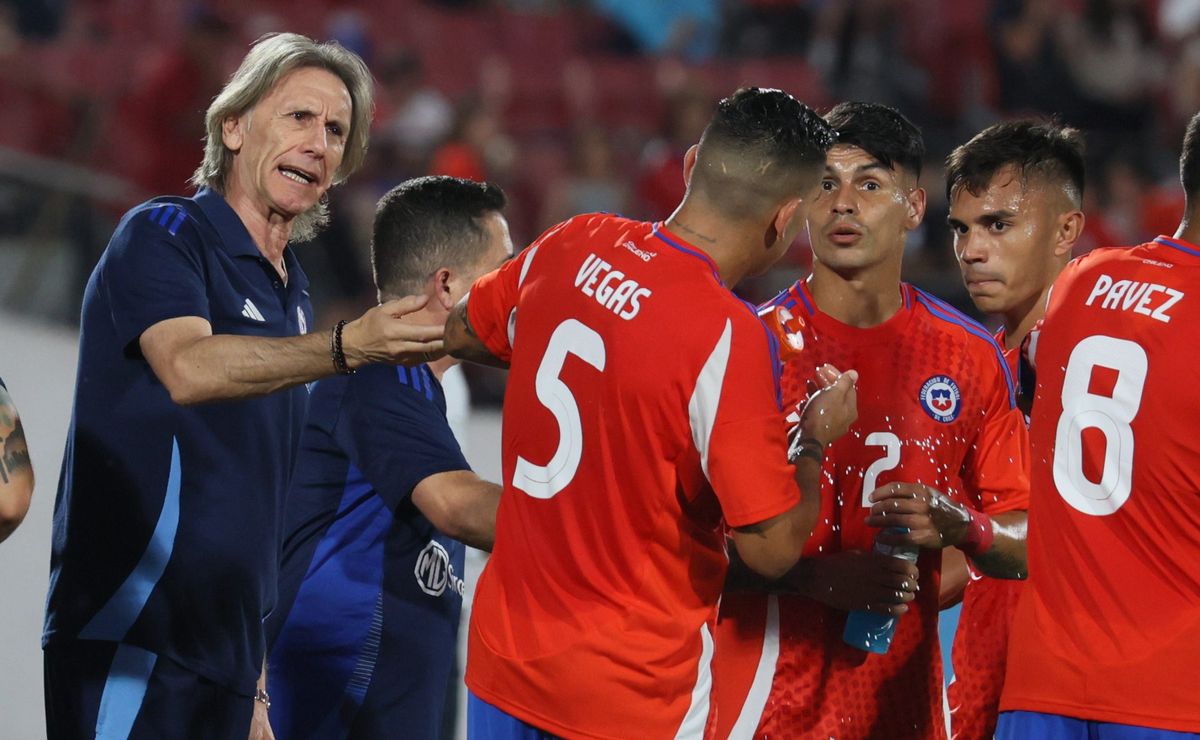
1110, 615
641, 410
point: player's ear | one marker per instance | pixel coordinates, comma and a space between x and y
1070, 226
786, 218
916, 208
689, 163
441, 288
784, 224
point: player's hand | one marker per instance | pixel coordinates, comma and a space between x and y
857, 581
832, 407
932, 518
379, 335
260, 724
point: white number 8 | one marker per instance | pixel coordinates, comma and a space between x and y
1112, 415
570, 337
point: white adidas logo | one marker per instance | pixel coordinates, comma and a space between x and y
250, 311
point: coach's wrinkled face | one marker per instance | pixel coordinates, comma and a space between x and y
1010, 239
288, 147
863, 211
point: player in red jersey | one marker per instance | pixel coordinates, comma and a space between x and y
641, 410
1015, 191
1103, 641
938, 442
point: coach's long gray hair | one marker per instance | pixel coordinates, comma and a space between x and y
271, 58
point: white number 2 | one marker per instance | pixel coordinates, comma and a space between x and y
1112, 415
569, 337
891, 458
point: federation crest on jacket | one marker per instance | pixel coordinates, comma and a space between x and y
941, 398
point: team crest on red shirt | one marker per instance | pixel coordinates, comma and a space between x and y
941, 398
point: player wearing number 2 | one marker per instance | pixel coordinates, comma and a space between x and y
641, 409
936, 407
1015, 191
1104, 638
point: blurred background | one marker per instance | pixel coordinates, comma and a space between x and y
571, 105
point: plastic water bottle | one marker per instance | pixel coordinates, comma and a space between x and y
871, 631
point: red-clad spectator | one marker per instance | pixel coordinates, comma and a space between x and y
591, 185
476, 145
660, 185
162, 115
411, 116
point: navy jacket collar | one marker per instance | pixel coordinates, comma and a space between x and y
236, 239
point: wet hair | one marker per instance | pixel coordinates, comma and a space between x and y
757, 150
270, 59
882, 132
427, 223
1043, 150
1189, 161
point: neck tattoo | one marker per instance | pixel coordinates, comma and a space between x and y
683, 227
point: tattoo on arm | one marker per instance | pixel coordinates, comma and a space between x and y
466, 321
14, 452
462, 341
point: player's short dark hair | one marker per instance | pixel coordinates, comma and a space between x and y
771, 122
1038, 149
427, 223
1189, 160
771, 139
882, 132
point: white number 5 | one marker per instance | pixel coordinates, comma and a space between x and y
570, 337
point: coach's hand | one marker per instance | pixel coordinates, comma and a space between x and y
382, 335
857, 581
831, 407
932, 518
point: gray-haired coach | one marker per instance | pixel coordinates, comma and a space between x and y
194, 348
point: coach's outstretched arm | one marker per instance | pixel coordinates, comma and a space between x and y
994, 543
771, 548
197, 366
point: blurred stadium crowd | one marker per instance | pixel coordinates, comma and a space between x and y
570, 105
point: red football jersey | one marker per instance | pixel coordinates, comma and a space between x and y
981, 640
1106, 628
642, 408
935, 406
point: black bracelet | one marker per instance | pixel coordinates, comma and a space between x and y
809, 447
335, 350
